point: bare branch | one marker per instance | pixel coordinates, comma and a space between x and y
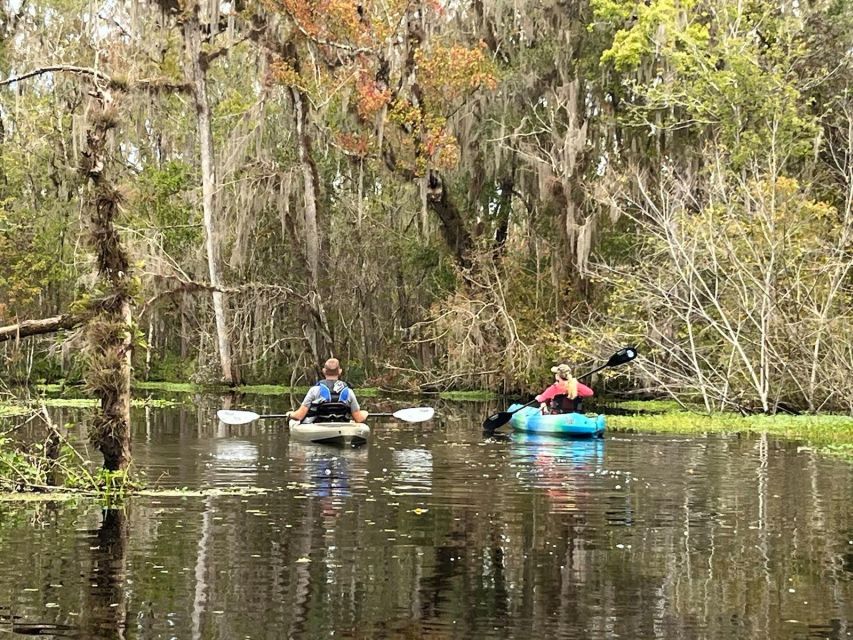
193, 286
161, 85
150, 85
326, 43
223, 50
85, 71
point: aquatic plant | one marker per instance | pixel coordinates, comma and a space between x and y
829, 433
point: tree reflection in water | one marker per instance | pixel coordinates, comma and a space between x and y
105, 615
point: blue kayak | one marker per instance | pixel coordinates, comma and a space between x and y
531, 420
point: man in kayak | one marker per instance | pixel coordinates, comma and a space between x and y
564, 396
330, 400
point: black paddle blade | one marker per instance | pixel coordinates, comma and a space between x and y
496, 420
622, 356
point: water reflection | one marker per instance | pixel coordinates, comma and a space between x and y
431, 531
556, 465
413, 470
105, 614
329, 472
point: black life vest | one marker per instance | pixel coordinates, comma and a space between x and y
565, 404
332, 405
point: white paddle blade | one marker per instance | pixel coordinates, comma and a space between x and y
229, 416
415, 414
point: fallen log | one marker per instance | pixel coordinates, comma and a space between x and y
28, 328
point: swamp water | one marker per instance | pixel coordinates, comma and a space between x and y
433, 531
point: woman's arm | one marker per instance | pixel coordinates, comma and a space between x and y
584, 391
555, 389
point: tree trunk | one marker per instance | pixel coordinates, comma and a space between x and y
196, 69
309, 185
318, 332
453, 228
108, 332
503, 212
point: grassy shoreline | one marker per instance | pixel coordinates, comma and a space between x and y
262, 389
191, 387
828, 433
15, 408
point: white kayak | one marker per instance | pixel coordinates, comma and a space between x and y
342, 434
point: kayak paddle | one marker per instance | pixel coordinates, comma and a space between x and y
229, 416
499, 419
414, 414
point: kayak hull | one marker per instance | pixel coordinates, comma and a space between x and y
340, 434
531, 420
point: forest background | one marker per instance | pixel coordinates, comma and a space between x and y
444, 195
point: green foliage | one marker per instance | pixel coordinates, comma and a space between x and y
10, 410
30, 467
234, 104
176, 387
618, 243
429, 264
355, 373
647, 406
162, 201
86, 403
832, 433
655, 25
270, 389
113, 485
18, 469
170, 367
467, 396
29, 263
727, 69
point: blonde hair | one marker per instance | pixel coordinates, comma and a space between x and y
570, 384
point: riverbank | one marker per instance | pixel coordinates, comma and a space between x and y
258, 389
827, 433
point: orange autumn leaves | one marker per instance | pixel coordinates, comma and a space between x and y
371, 95
356, 40
344, 23
445, 74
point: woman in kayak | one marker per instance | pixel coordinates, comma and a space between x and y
564, 396
330, 400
